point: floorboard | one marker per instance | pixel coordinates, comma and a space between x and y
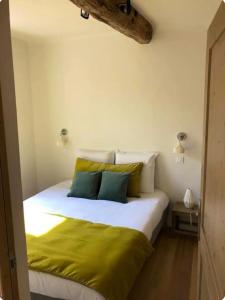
170, 273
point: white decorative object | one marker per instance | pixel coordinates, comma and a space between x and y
179, 148
189, 199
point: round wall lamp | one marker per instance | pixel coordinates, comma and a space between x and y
179, 148
63, 138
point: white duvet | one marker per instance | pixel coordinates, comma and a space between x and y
142, 214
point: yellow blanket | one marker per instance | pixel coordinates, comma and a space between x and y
104, 258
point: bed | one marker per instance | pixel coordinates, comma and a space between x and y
144, 214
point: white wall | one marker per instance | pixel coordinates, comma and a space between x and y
112, 93
25, 117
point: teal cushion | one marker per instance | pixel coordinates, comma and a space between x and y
86, 185
114, 186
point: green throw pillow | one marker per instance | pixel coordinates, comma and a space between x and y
134, 169
86, 185
114, 186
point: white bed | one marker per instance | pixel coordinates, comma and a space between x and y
143, 214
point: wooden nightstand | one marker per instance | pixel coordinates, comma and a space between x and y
184, 220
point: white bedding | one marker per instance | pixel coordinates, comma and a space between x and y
142, 214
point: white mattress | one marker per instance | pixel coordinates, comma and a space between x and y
142, 214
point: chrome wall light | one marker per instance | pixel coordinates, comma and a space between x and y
179, 148
124, 7
84, 14
63, 138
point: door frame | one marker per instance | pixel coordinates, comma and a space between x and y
9, 288
216, 29
13, 259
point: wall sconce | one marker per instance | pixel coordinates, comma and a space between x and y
179, 148
63, 138
84, 14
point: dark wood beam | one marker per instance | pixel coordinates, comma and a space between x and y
133, 24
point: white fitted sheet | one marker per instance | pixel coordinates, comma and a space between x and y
142, 214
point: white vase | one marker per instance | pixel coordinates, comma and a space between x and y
189, 199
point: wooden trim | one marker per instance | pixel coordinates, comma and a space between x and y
213, 34
217, 26
199, 272
11, 190
206, 261
205, 134
211, 272
8, 278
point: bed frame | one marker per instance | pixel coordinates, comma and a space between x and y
161, 224
153, 239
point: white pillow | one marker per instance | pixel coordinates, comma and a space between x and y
148, 171
95, 155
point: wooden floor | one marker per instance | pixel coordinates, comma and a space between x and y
171, 271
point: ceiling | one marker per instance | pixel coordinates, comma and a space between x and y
61, 18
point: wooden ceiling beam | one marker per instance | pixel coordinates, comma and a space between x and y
132, 25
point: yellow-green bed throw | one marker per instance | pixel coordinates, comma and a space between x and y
104, 258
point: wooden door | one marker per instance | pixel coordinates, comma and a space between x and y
212, 237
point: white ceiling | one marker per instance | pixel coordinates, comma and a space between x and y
59, 18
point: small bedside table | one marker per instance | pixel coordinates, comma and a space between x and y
184, 220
